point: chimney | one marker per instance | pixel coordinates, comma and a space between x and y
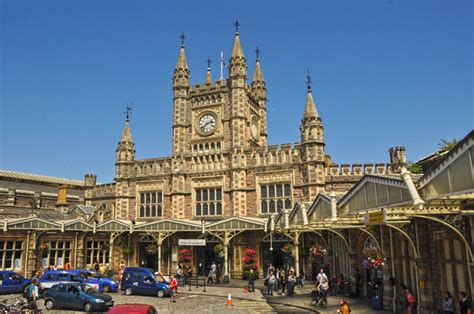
398, 155
61, 204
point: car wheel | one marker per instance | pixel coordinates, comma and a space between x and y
106, 288
88, 307
128, 291
161, 293
49, 304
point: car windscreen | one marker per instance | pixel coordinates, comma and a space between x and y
87, 289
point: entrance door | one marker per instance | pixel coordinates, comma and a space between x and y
148, 256
205, 255
276, 256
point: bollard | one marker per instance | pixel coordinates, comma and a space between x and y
204, 290
189, 285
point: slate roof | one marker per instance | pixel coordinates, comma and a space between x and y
38, 178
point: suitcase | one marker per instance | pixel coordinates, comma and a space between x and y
377, 303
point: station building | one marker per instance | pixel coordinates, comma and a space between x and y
225, 185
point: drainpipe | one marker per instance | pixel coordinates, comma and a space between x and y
406, 176
75, 250
333, 207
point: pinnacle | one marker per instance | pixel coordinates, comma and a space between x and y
237, 50
208, 77
182, 63
310, 108
126, 134
258, 75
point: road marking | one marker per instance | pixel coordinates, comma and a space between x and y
189, 296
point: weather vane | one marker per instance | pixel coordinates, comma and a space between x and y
236, 24
182, 37
209, 63
128, 111
308, 80
257, 52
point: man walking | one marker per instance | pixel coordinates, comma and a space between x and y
174, 288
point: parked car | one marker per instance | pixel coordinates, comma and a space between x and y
133, 309
76, 296
11, 282
106, 284
52, 277
139, 280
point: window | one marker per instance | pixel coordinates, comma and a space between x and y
10, 254
62, 277
275, 197
97, 251
151, 204
58, 254
209, 202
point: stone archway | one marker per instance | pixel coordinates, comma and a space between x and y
147, 252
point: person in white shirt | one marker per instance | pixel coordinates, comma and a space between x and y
321, 276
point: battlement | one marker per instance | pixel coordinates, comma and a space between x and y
206, 88
151, 166
277, 154
105, 189
361, 169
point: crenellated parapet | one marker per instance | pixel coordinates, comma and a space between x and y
151, 166
360, 169
102, 190
277, 155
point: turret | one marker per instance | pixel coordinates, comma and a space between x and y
125, 152
181, 75
311, 126
237, 61
181, 86
259, 90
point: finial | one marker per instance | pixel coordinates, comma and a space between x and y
182, 37
128, 111
257, 52
236, 24
209, 63
308, 81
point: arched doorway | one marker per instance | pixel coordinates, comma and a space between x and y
272, 245
370, 247
205, 255
147, 252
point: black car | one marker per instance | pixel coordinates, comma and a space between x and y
77, 296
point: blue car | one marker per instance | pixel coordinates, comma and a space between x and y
139, 280
77, 296
11, 282
53, 277
106, 284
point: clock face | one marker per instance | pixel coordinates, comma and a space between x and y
207, 123
254, 128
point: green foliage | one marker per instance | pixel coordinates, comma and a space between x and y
445, 144
414, 167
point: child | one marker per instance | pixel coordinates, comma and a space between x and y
174, 288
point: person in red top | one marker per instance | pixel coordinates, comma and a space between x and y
174, 288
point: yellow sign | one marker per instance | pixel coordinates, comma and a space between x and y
376, 217
62, 194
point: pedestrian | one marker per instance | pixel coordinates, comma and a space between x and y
213, 272
321, 275
270, 283
103, 269
96, 265
283, 281
251, 281
323, 289
121, 270
341, 283
344, 309
448, 304
174, 288
334, 284
465, 306
357, 282
36, 278
291, 281
411, 301
301, 279
277, 280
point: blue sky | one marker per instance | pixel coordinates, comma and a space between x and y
386, 73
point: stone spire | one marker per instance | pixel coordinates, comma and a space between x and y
310, 111
237, 62
181, 71
208, 74
126, 147
258, 82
